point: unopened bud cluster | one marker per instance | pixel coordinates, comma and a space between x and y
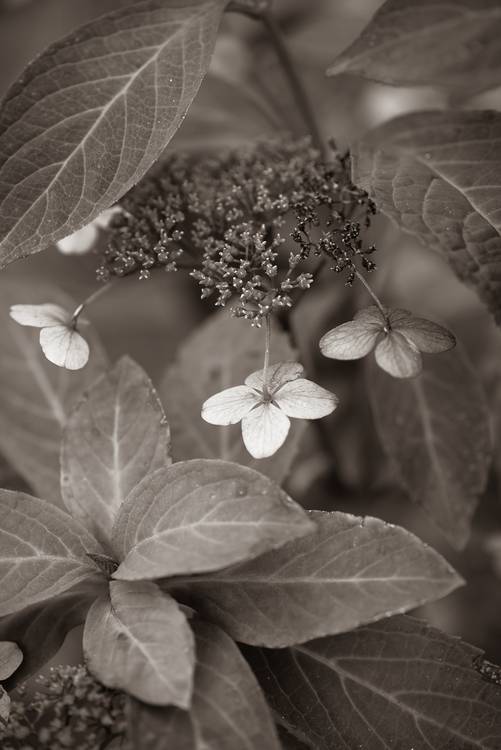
69, 710
244, 223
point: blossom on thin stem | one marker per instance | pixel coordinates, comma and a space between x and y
398, 337
264, 408
61, 343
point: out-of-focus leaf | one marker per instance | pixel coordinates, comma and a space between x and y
453, 44
435, 429
93, 112
202, 515
43, 551
396, 684
225, 115
350, 572
115, 436
35, 396
11, 657
438, 176
138, 640
219, 354
228, 710
4, 707
40, 630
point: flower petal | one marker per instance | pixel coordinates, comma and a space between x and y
398, 357
103, 221
39, 316
304, 399
264, 430
230, 405
351, 340
425, 335
64, 347
371, 315
80, 242
278, 374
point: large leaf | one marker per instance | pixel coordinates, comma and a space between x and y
202, 515
453, 44
438, 176
398, 684
40, 630
35, 396
4, 707
90, 116
11, 657
350, 572
115, 436
138, 640
435, 429
43, 551
219, 354
228, 710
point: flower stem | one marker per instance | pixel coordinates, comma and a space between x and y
91, 298
266, 363
295, 83
372, 293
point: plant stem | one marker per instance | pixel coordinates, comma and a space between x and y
372, 293
295, 83
266, 363
91, 298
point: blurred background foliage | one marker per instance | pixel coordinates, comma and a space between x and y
340, 465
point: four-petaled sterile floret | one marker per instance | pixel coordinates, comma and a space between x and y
61, 343
397, 336
264, 408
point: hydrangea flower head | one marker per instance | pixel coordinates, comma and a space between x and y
398, 337
264, 408
60, 341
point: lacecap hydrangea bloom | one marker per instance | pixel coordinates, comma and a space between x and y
397, 336
264, 404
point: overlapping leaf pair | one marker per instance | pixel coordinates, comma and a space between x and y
154, 548
10, 659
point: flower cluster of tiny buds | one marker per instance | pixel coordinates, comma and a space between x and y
69, 710
244, 222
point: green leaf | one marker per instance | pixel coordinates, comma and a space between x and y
93, 112
114, 437
40, 630
350, 572
43, 551
396, 684
438, 421
11, 657
228, 709
35, 396
4, 707
225, 114
219, 354
438, 176
138, 640
202, 515
437, 43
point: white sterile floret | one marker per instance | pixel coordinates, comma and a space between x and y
84, 239
264, 408
397, 336
60, 341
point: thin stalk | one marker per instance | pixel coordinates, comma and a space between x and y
295, 83
266, 363
372, 293
90, 299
